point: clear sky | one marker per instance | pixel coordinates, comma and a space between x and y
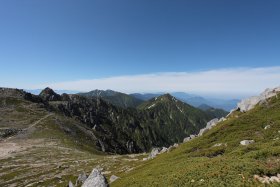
52, 41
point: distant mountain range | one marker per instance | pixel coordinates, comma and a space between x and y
194, 100
197, 101
116, 122
133, 100
115, 98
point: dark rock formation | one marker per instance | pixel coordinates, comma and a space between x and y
49, 95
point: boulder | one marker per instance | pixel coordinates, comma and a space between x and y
145, 159
95, 179
267, 127
247, 142
70, 184
81, 178
113, 178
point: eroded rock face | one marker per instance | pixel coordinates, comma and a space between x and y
95, 179
248, 104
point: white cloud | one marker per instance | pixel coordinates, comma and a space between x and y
237, 81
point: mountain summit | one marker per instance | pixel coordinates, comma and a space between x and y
49, 95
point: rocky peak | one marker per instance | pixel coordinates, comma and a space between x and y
49, 95
95, 179
166, 97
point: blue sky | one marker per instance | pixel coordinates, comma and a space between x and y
49, 41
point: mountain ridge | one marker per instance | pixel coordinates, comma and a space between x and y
116, 98
123, 130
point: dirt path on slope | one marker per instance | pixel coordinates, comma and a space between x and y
8, 147
39, 121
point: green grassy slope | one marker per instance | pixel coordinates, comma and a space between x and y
200, 163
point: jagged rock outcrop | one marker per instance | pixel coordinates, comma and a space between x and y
49, 95
81, 178
158, 151
248, 104
209, 126
163, 150
154, 153
95, 179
